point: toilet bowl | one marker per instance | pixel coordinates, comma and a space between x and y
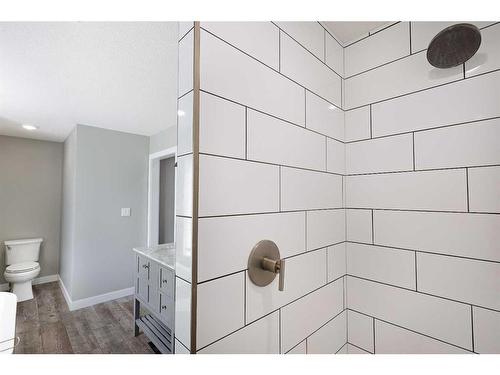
20, 275
21, 258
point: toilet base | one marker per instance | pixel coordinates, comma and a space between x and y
23, 290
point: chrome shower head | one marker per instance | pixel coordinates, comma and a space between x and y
454, 45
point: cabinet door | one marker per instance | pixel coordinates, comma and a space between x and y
167, 281
144, 266
142, 290
154, 300
167, 310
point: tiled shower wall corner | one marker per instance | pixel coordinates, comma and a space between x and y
422, 195
419, 271
271, 167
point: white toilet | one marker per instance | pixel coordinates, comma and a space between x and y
21, 258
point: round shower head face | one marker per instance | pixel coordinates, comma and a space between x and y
454, 45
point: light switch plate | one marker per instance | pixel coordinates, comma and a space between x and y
126, 211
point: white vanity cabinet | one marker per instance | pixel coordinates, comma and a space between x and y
154, 295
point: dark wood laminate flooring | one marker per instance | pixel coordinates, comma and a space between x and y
45, 325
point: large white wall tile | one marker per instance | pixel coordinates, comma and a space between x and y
298, 349
183, 247
390, 339
360, 330
390, 266
259, 39
309, 34
304, 316
220, 309
486, 331
185, 124
229, 186
471, 281
184, 27
330, 338
357, 124
179, 348
334, 54
276, 141
472, 144
227, 72
351, 349
468, 235
397, 78
484, 192
423, 32
224, 243
304, 273
385, 46
467, 100
412, 310
299, 65
186, 53
183, 311
336, 261
387, 154
184, 186
301, 189
487, 58
323, 117
222, 127
260, 337
335, 151
325, 228
430, 190
359, 225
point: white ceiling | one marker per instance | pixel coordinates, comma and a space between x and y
349, 31
120, 76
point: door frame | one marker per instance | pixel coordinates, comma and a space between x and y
154, 193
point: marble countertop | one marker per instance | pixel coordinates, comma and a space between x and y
163, 254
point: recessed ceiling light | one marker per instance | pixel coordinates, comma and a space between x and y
30, 127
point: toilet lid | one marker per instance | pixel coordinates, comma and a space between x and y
22, 267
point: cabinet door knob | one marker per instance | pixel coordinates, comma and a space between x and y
145, 266
164, 307
165, 281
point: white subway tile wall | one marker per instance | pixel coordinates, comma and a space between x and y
272, 160
380, 189
423, 254
184, 190
360, 330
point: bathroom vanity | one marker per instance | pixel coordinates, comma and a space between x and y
154, 295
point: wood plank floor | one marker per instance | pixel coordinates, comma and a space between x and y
45, 325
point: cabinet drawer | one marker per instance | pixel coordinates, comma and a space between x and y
143, 267
167, 281
167, 309
142, 289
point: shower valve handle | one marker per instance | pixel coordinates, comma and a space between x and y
264, 263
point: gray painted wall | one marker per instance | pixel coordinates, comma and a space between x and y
68, 211
167, 200
30, 197
110, 173
165, 139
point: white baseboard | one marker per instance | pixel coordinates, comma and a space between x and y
94, 300
39, 280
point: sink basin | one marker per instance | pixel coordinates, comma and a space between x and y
8, 304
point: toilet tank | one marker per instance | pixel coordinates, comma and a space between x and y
18, 251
